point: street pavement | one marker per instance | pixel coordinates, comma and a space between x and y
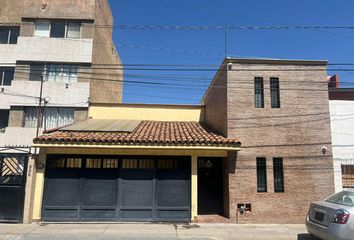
134, 231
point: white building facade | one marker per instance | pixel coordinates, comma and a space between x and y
342, 129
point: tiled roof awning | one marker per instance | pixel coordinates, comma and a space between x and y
146, 133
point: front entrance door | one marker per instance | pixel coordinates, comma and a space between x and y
210, 186
117, 189
13, 168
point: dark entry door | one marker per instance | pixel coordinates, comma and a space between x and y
112, 189
210, 186
13, 168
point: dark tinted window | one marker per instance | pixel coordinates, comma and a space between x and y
6, 76
274, 92
14, 33
57, 30
9, 35
278, 175
4, 118
261, 175
36, 71
258, 92
4, 35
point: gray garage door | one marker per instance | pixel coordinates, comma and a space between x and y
91, 188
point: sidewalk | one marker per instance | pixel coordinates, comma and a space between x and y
128, 231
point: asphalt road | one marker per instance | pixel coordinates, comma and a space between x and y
130, 231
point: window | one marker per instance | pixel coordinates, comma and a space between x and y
138, 163
4, 119
348, 176
36, 71
57, 29
274, 92
61, 73
278, 175
9, 35
73, 30
258, 92
64, 162
261, 175
54, 72
42, 29
6, 75
54, 117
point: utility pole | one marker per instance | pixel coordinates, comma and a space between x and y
39, 110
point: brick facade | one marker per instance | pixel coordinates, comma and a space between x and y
296, 132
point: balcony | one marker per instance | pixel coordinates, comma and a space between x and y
45, 49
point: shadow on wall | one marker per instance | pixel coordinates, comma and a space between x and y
306, 236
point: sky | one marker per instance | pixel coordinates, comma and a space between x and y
207, 47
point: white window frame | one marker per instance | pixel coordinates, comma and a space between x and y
50, 28
42, 22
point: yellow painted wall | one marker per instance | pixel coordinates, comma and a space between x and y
147, 112
39, 187
194, 187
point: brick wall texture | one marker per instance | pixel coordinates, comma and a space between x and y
295, 132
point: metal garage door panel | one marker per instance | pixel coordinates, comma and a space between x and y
62, 195
173, 195
136, 194
100, 189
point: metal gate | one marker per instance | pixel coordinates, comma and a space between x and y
13, 168
111, 188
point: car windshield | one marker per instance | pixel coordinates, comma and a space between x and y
343, 198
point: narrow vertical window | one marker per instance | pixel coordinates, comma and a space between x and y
261, 175
278, 175
258, 92
274, 93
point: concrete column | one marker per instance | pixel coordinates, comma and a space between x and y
194, 187
29, 191
39, 186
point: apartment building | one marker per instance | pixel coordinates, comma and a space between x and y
341, 101
63, 49
65, 42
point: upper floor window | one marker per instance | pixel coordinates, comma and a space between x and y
274, 93
53, 117
6, 75
54, 72
258, 92
4, 118
57, 29
9, 35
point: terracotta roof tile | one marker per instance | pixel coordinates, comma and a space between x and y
147, 132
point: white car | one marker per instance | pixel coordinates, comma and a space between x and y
332, 218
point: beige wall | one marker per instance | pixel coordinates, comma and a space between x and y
296, 132
147, 112
215, 101
63, 9
106, 85
10, 11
